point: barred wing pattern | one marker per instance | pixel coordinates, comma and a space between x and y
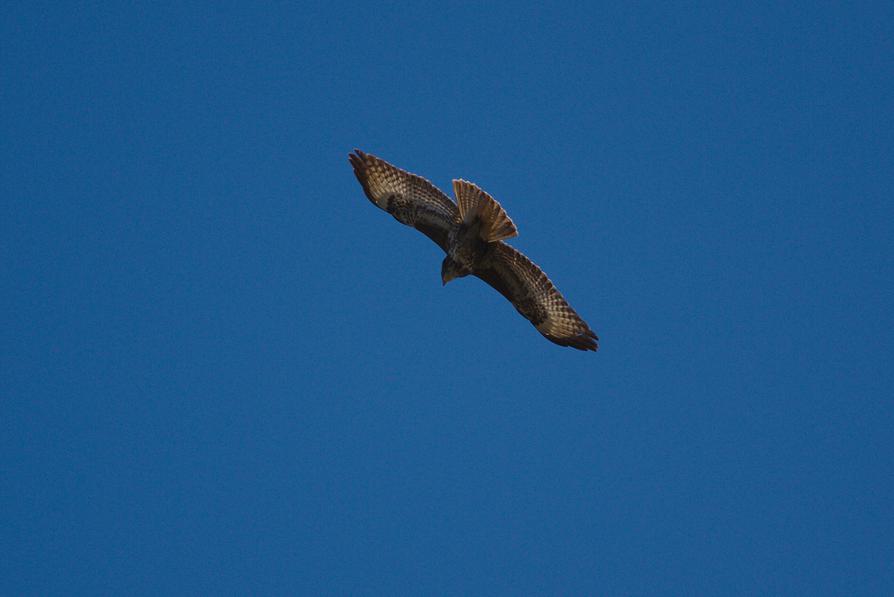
534, 296
411, 199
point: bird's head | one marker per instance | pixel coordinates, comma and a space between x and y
450, 269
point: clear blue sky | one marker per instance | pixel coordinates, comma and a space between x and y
224, 371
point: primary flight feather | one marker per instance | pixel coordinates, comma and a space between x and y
472, 233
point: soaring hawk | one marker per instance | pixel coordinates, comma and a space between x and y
471, 232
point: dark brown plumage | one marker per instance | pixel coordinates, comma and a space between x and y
472, 234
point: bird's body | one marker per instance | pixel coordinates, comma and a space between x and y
471, 232
466, 248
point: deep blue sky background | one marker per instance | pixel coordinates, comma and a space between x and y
224, 371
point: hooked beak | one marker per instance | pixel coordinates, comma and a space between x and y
446, 277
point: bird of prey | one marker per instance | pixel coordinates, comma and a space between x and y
472, 233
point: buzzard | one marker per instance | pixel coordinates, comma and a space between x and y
471, 232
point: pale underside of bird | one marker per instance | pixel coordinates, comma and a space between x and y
472, 232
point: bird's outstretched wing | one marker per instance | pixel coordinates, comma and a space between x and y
411, 199
534, 296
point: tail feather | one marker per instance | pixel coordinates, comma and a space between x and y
473, 202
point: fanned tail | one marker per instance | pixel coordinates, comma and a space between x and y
475, 203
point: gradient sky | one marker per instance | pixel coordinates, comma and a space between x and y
224, 371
